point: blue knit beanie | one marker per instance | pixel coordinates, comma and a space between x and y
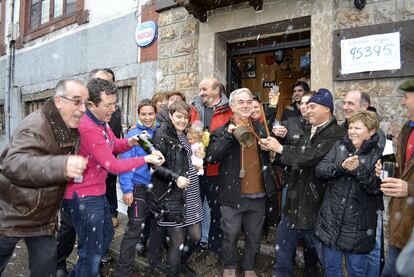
323, 97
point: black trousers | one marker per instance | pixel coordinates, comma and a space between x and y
41, 250
156, 243
180, 246
111, 194
137, 214
249, 215
66, 239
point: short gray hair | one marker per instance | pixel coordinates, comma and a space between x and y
60, 89
239, 91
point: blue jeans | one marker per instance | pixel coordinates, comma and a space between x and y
389, 267
286, 242
355, 263
92, 219
374, 258
205, 224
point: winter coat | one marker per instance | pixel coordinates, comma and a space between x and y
381, 144
222, 114
140, 175
348, 216
164, 178
296, 127
306, 192
291, 111
32, 173
225, 150
401, 209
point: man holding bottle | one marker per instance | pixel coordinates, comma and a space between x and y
85, 203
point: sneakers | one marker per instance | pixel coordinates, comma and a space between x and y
229, 272
106, 258
140, 248
115, 222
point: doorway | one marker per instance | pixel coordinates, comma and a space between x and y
276, 60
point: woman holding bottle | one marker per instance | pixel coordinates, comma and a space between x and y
176, 193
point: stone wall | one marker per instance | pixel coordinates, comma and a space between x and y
383, 92
178, 52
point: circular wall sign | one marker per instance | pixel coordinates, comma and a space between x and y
146, 33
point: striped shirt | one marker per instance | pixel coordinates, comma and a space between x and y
193, 204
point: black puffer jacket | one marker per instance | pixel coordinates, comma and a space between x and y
225, 150
306, 192
164, 178
347, 217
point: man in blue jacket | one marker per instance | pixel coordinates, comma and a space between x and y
134, 186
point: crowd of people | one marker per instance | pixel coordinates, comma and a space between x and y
198, 175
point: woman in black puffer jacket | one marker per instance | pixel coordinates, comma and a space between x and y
347, 218
175, 197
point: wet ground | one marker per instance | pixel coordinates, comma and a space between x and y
201, 261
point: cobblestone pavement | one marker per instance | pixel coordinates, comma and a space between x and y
202, 262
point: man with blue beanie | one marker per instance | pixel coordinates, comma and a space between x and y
134, 185
305, 191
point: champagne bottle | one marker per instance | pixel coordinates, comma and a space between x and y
145, 142
388, 153
206, 137
388, 159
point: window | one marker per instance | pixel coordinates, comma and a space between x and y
43, 16
31, 106
2, 119
45, 11
127, 102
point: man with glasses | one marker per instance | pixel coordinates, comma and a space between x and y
85, 203
67, 236
35, 166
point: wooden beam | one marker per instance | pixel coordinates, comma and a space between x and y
196, 10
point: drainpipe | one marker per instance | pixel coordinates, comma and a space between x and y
10, 56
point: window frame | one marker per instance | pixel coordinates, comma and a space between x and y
3, 117
131, 102
79, 16
28, 99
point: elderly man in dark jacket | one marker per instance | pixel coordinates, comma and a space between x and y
246, 178
35, 166
305, 192
401, 189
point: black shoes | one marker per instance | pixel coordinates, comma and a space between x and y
106, 258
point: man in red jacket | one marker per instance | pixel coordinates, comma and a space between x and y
212, 109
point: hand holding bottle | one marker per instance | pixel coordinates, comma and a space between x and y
154, 159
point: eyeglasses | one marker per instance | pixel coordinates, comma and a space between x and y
77, 102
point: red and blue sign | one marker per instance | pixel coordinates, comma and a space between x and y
146, 33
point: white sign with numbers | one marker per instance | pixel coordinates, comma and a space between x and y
371, 53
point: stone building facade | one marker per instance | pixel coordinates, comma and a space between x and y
190, 50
